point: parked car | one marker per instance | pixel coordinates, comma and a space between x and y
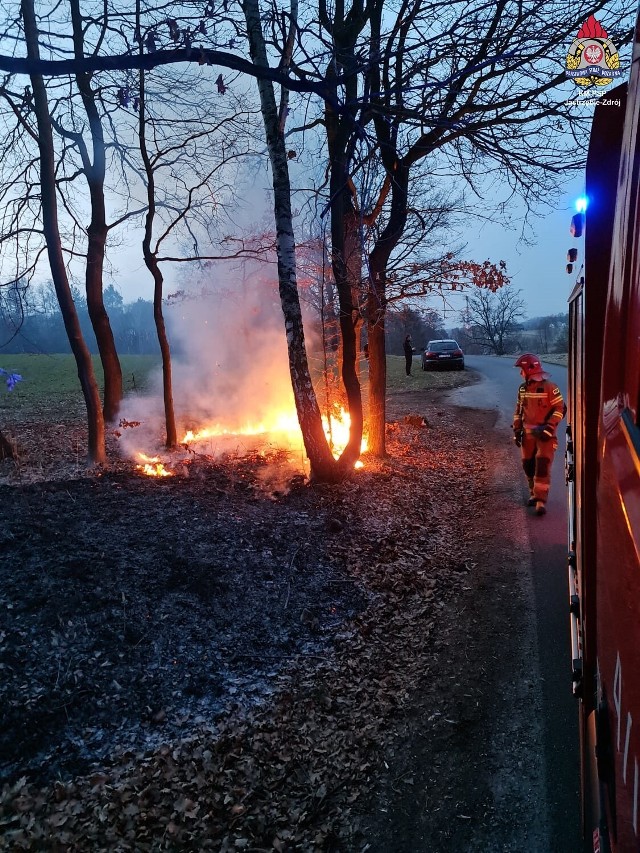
442, 354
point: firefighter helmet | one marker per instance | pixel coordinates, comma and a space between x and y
530, 366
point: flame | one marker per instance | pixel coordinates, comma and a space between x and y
283, 423
284, 428
152, 466
337, 427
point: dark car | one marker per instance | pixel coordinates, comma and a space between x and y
442, 354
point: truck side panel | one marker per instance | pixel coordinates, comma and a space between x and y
618, 503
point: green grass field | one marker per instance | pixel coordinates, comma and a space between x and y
51, 380
397, 379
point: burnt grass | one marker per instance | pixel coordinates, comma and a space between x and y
214, 662
131, 604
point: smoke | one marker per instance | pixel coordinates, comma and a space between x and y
233, 357
230, 369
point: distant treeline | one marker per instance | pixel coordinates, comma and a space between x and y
30, 322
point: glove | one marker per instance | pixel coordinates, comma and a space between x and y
544, 433
517, 437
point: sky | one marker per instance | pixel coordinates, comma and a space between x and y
536, 266
537, 269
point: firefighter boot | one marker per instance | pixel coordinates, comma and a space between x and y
540, 508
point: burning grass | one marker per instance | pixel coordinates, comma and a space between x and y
152, 466
49, 394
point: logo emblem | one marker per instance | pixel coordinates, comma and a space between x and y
593, 59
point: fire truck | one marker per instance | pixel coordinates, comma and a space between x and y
603, 475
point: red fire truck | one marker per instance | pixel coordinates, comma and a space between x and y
603, 476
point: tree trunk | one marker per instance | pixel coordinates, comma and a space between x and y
95, 169
95, 419
377, 306
112, 370
346, 273
165, 350
151, 262
346, 251
323, 466
376, 313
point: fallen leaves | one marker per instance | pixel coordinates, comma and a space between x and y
288, 770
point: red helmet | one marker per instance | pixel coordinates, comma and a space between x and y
530, 366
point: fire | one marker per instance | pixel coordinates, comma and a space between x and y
283, 428
336, 428
152, 466
283, 423
280, 430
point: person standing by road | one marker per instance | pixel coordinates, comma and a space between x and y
408, 353
539, 410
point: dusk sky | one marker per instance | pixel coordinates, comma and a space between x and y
536, 265
537, 269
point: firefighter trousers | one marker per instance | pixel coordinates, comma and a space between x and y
537, 457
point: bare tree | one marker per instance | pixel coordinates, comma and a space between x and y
72, 156
493, 318
80, 157
547, 332
322, 463
323, 466
189, 210
94, 169
463, 88
469, 90
51, 230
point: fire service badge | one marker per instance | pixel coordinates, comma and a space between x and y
593, 59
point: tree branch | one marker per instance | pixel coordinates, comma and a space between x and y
147, 61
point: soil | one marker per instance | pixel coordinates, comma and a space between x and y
234, 659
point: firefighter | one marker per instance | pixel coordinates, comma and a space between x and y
539, 410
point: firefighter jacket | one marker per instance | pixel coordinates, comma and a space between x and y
539, 404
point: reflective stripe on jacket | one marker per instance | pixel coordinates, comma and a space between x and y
539, 403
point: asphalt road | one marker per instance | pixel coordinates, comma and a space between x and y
547, 538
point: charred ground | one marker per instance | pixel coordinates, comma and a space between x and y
216, 662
